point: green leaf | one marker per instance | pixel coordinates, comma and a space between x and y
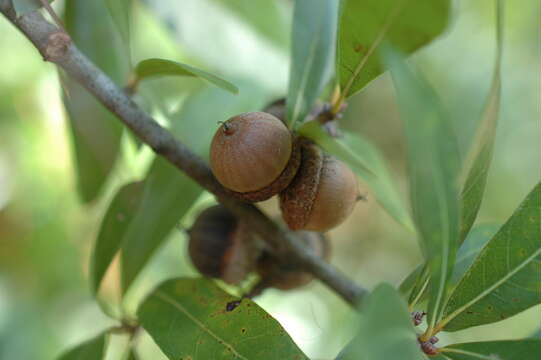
93, 349
470, 249
367, 162
24, 6
480, 156
433, 162
160, 67
505, 279
132, 355
122, 209
265, 17
536, 335
415, 284
437, 357
385, 329
188, 319
406, 25
167, 197
120, 11
420, 286
495, 350
312, 55
168, 193
95, 131
410, 281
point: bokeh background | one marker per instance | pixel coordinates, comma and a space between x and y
46, 233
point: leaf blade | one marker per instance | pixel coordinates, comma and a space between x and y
184, 312
470, 249
494, 350
120, 11
93, 349
385, 329
312, 56
365, 25
113, 226
415, 284
507, 270
480, 156
160, 67
131, 354
433, 175
167, 197
95, 131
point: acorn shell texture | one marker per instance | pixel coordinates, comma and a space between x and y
322, 194
250, 151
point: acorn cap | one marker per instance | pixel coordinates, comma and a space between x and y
251, 152
322, 194
297, 199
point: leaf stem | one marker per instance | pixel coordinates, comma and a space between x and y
133, 84
429, 332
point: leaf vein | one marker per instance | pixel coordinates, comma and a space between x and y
488, 290
166, 298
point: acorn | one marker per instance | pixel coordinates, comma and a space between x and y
287, 275
322, 194
253, 156
221, 246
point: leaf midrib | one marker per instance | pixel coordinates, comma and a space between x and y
491, 288
468, 353
444, 275
379, 38
166, 298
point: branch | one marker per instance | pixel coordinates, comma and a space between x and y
56, 46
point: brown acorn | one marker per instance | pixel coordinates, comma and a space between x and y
221, 246
253, 156
287, 275
322, 194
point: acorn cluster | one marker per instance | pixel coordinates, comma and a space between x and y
255, 157
223, 247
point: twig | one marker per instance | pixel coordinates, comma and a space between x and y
61, 51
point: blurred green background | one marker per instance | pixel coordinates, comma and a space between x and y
46, 233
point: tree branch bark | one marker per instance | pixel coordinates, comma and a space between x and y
56, 46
